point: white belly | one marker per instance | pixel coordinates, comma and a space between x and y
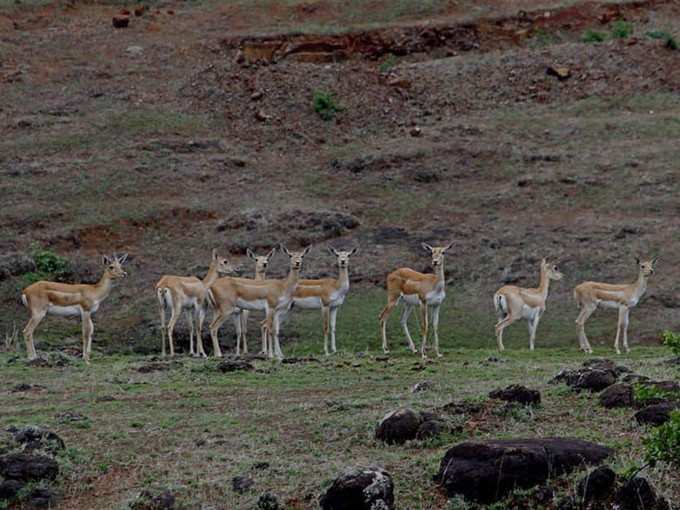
529, 312
258, 304
410, 299
311, 302
65, 311
609, 304
338, 298
435, 297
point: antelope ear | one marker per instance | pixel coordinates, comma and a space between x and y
122, 258
271, 253
250, 253
306, 250
426, 247
655, 260
332, 250
284, 249
213, 254
106, 260
354, 250
448, 246
637, 260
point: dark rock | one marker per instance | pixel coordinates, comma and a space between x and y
26, 467
261, 466
456, 408
269, 501
429, 429
36, 438
422, 386
426, 176
638, 494
369, 488
9, 489
233, 366
15, 264
242, 484
656, 414
517, 393
617, 395
42, 497
70, 417
486, 471
594, 377
398, 426
150, 500
633, 378
120, 21
665, 386
598, 484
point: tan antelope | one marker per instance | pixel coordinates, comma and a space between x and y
43, 298
427, 290
327, 295
261, 264
514, 303
231, 295
589, 295
188, 293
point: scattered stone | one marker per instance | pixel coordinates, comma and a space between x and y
36, 438
456, 408
26, 387
233, 366
139, 10
242, 484
26, 467
486, 471
134, 50
121, 21
148, 500
561, 72
257, 95
416, 132
157, 366
598, 484
617, 395
595, 375
106, 398
15, 264
42, 497
426, 176
422, 386
261, 466
398, 426
429, 429
656, 414
262, 116
70, 417
360, 488
634, 378
268, 501
9, 489
517, 393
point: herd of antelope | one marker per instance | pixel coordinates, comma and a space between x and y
234, 297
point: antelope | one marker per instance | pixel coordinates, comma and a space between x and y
412, 287
188, 293
589, 295
513, 303
43, 298
327, 295
261, 263
229, 296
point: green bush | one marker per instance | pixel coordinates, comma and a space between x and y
663, 444
644, 393
388, 63
672, 341
593, 36
668, 39
48, 266
324, 104
622, 29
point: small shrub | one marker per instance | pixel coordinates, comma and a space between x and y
663, 444
388, 63
668, 39
672, 341
325, 105
645, 393
593, 36
622, 29
48, 265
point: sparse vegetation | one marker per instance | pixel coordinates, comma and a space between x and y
387, 64
48, 265
672, 341
593, 36
325, 105
647, 392
621, 29
668, 39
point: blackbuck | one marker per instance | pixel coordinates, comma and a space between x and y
231, 295
514, 303
43, 298
623, 297
188, 294
426, 290
327, 295
261, 264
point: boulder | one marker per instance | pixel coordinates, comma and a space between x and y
234, 366
517, 393
656, 414
429, 429
617, 395
598, 484
268, 501
422, 386
36, 438
486, 471
42, 497
591, 378
26, 467
242, 484
360, 488
398, 426
120, 21
638, 494
9, 489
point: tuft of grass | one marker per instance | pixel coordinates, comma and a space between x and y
593, 36
621, 29
325, 105
667, 38
387, 64
663, 444
48, 265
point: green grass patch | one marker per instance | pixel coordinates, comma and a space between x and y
593, 36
